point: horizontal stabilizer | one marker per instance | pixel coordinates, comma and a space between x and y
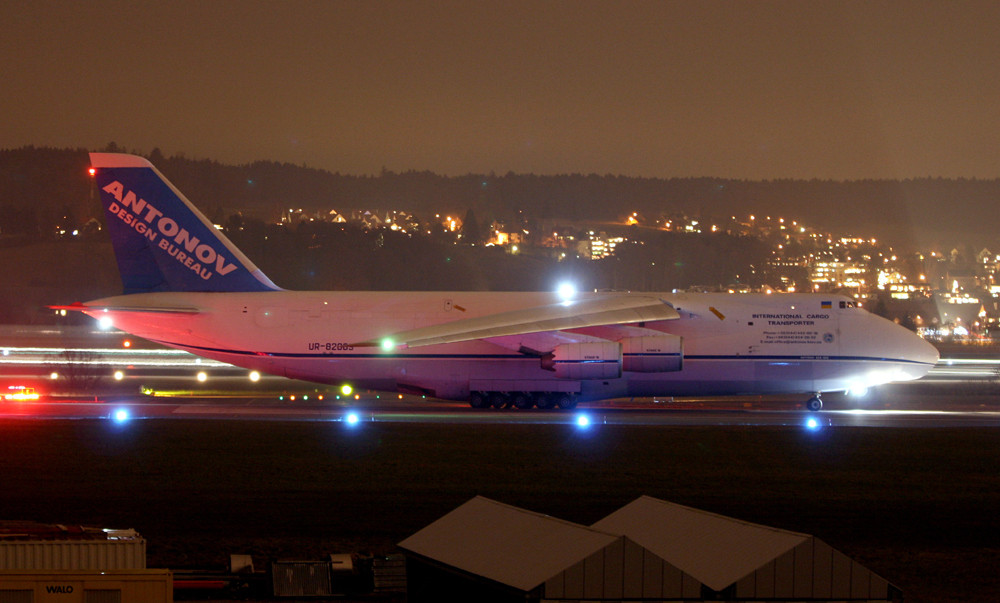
79, 307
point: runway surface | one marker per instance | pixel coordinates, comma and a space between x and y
641, 413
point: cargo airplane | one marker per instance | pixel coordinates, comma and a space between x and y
187, 286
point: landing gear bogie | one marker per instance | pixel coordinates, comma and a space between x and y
522, 400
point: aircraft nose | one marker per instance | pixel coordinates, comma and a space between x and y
924, 353
915, 354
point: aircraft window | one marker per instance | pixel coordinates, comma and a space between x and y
847, 304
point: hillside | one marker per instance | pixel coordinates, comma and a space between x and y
40, 188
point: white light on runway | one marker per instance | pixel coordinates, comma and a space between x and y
352, 418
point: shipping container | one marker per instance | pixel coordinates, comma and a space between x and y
124, 554
73, 586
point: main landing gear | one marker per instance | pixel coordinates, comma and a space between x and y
814, 403
522, 400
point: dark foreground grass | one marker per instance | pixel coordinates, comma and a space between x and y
919, 506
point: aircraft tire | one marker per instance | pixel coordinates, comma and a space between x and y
544, 400
565, 401
522, 401
499, 400
814, 404
478, 400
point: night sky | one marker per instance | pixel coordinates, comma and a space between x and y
758, 90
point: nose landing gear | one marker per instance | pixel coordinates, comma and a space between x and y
814, 403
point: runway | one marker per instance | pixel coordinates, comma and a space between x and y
355, 416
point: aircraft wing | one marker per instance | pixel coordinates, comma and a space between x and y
611, 310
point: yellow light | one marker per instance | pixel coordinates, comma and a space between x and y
53, 375
387, 344
346, 389
119, 375
202, 376
21, 393
254, 376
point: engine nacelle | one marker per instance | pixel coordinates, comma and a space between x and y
599, 360
653, 353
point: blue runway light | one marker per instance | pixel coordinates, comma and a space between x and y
120, 416
352, 418
582, 421
812, 424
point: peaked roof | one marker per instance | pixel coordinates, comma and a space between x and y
714, 549
525, 548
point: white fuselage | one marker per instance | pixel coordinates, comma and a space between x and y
732, 344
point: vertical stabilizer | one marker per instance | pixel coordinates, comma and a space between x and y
161, 241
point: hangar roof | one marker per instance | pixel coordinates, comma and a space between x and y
714, 549
525, 548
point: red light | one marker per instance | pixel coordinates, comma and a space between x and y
92, 172
126, 344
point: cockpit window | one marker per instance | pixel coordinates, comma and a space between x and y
847, 304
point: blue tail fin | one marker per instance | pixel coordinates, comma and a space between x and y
162, 242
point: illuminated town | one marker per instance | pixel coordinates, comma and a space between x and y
938, 293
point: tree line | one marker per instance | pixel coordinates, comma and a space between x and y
43, 189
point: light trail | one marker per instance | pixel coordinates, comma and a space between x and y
161, 358
952, 369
